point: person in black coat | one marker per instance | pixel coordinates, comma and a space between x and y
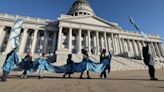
149, 61
27, 64
69, 68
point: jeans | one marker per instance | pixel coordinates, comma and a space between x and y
103, 73
151, 71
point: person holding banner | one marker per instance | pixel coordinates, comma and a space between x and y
42, 62
85, 58
11, 60
26, 64
69, 66
103, 57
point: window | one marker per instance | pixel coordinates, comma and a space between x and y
51, 35
73, 42
41, 34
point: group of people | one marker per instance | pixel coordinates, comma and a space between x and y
27, 64
86, 57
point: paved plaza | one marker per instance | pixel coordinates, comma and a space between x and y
118, 81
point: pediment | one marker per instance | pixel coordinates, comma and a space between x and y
87, 20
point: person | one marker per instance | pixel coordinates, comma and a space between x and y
149, 61
102, 57
42, 65
11, 60
69, 68
26, 64
85, 57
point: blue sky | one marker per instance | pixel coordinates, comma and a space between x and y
149, 14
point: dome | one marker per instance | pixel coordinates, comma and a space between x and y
81, 7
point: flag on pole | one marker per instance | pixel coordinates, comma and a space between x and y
137, 27
134, 24
15, 32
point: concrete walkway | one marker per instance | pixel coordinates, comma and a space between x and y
121, 81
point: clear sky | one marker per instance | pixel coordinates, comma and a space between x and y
149, 14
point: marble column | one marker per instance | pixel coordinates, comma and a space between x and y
134, 48
54, 42
123, 46
45, 41
120, 44
2, 33
94, 44
70, 41
97, 41
59, 38
139, 48
113, 43
89, 41
109, 43
117, 44
79, 41
161, 49
23, 41
105, 41
157, 50
34, 41
153, 49
129, 45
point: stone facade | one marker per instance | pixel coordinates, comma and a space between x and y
79, 29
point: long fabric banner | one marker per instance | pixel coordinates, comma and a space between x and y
42, 64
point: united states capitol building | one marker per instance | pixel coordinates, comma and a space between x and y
79, 29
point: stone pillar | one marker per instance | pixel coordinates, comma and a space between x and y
135, 51
45, 42
94, 44
2, 33
153, 49
139, 48
89, 41
23, 41
117, 44
157, 50
79, 41
97, 41
105, 40
120, 44
70, 41
161, 49
34, 41
123, 46
129, 46
54, 42
109, 43
113, 44
59, 38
